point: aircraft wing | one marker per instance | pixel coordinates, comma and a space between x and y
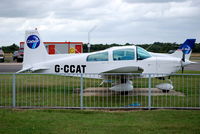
127, 69
118, 73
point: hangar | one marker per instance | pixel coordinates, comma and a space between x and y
61, 47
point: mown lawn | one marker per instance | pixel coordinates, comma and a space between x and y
60, 91
98, 122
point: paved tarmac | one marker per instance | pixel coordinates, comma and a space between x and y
14, 67
10, 67
194, 67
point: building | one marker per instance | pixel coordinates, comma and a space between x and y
61, 47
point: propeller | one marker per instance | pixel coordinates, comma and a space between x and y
182, 69
183, 60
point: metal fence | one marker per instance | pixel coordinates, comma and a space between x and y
81, 91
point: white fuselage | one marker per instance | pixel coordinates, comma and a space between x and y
77, 63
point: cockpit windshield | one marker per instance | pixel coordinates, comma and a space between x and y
142, 54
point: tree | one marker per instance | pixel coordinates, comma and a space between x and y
10, 49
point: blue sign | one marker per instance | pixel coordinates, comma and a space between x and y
33, 41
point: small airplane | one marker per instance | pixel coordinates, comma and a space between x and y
120, 60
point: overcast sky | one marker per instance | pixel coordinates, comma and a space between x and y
112, 21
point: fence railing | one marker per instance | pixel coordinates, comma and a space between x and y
81, 91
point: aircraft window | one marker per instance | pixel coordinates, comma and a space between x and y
142, 54
98, 57
124, 54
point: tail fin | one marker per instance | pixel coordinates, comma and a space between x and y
185, 48
34, 49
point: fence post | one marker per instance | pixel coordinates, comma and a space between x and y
149, 92
14, 90
81, 92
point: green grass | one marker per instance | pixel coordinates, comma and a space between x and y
55, 91
51, 90
98, 122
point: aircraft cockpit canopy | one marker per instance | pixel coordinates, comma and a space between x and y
103, 56
120, 55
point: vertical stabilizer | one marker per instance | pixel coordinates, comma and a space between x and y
34, 49
185, 50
